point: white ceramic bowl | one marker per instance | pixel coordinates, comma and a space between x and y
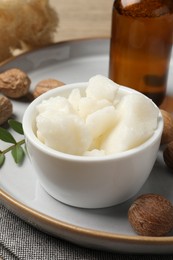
89, 182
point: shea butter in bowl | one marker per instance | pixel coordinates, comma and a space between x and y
92, 144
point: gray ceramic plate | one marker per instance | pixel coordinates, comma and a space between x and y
19, 188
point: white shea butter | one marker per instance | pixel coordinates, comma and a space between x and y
63, 132
99, 122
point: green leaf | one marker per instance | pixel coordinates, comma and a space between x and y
18, 153
6, 136
2, 159
16, 126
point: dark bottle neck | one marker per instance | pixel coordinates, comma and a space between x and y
144, 8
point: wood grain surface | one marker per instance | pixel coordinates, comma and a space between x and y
83, 19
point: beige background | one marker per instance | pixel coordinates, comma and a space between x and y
83, 18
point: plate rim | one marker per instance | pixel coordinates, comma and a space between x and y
53, 44
15, 205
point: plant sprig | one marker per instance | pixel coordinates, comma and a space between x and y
16, 148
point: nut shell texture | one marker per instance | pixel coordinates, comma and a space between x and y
151, 215
168, 155
167, 135
5, 109
45, 85
14, 83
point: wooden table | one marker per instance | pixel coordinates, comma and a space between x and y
83, 19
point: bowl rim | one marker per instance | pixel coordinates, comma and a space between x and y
30, 136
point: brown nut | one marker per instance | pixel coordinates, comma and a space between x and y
167, 135
14, 83
168, 155
151, 215
45, 85
5, 109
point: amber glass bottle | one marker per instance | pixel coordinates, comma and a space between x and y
141, 44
